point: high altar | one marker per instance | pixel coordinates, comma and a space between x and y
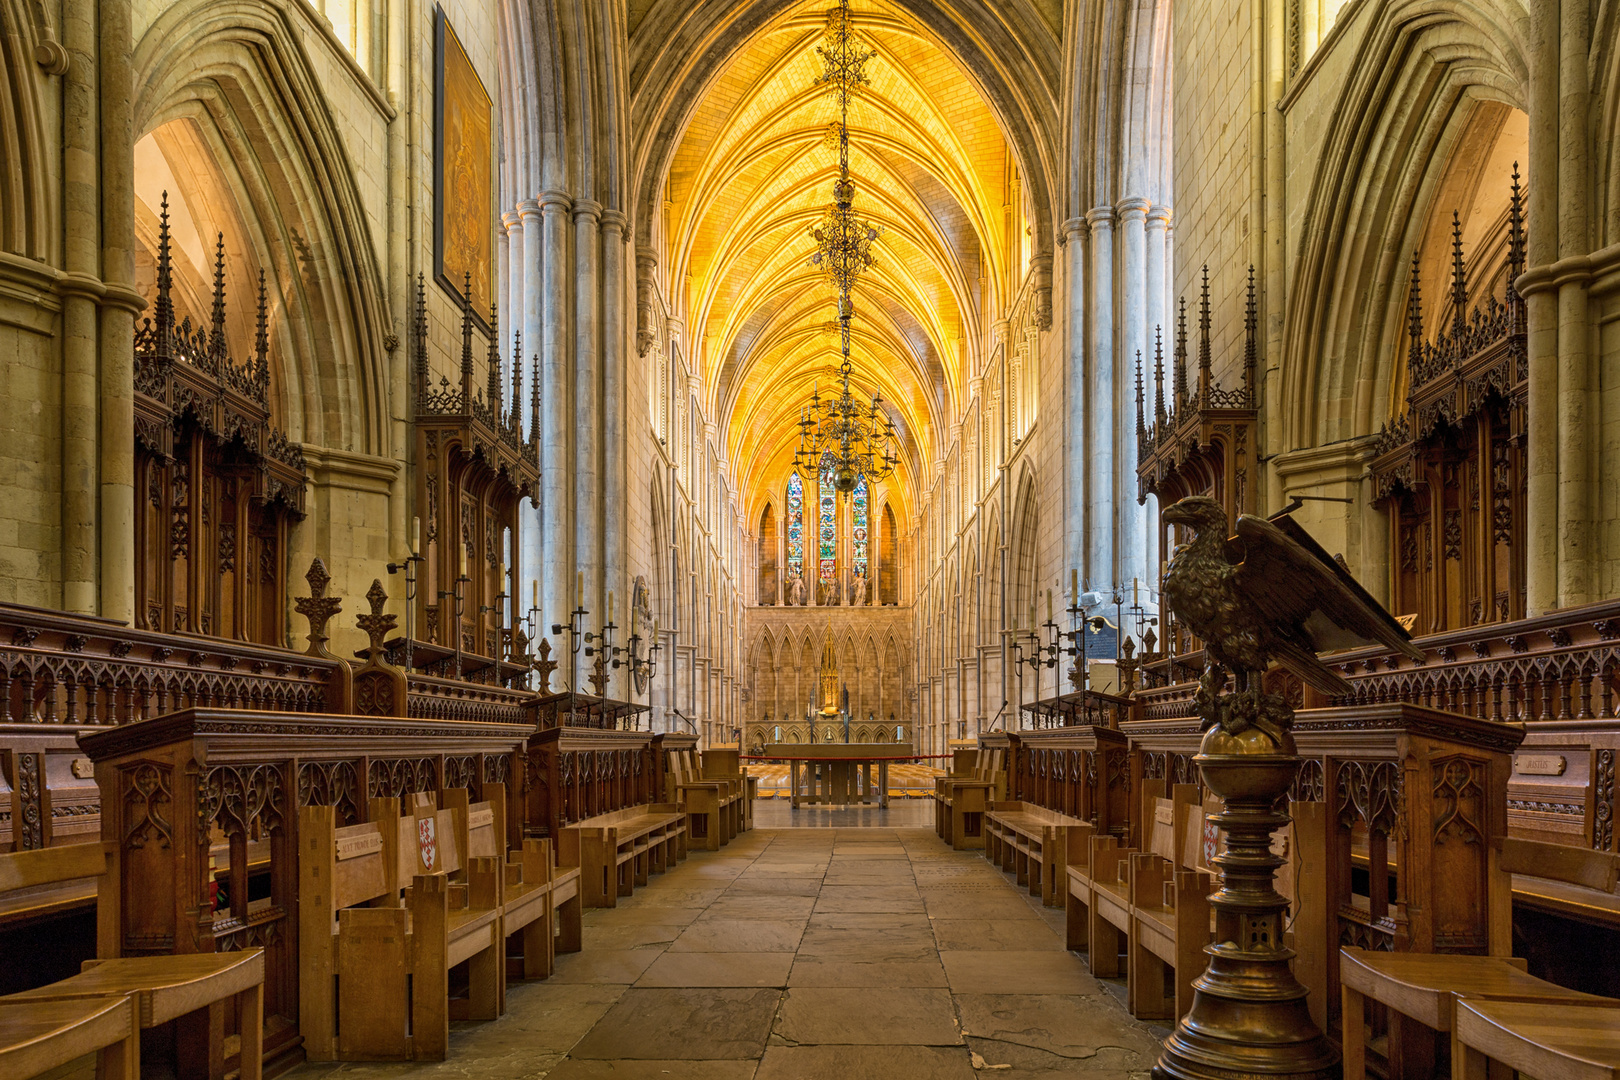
838, 774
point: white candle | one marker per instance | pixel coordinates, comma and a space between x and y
610, 605
416, 535
1048, 605
579, 591
536, 603
1074, 586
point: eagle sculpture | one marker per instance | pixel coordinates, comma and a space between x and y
1267, 593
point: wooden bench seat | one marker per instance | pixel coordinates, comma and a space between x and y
39, 1036
618, 851
1556, 1040
1031, 843
1424, 989
160, 989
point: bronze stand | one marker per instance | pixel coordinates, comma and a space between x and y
1248, 1017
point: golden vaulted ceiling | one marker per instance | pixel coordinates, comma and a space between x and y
755, 168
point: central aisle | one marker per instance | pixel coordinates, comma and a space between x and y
801, 954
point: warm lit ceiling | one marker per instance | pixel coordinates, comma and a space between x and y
755, 168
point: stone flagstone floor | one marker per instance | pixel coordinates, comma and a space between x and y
802, 954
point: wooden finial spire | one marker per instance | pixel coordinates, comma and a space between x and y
216, 332
261, 344
1158, 378
1205, 378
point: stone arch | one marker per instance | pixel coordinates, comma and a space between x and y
234, 69
1026, 518
1417, 69
765, 678
27, 203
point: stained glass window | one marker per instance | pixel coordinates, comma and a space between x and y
827, 523
858, 519
795, 525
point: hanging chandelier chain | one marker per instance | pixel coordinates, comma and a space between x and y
840, 436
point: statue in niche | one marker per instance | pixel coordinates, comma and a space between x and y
858, 590
796, 590
829, 594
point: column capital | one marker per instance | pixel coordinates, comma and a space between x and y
1100, 218
1072, 229
587, 208
613, 219
555, 201
512, 220
1132, 209
1158, 217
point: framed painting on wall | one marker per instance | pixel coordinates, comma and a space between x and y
462, 174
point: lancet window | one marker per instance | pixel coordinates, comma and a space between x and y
795, 526
859, 512
827, 524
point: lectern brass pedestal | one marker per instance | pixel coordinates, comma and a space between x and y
1248, 1017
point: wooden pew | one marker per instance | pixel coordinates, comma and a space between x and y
160, 989
389, 999
1425, 988
1031, 843
233, 780
727, 765
961, 801
713, 805
1152, 907
1169, 913
617, 851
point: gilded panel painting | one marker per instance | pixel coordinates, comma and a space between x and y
462, 154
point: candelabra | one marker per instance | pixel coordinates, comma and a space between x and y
604, 651
641, 667
576, 620
408, 567
1040, 655
459, 594
499, 607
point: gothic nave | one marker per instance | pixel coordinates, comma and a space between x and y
478, 475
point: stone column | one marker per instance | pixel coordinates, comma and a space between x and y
1160, 328
81, 291
1099, 570
119, 307
615, 326
1541, 316
1075, 419
1576, 411
545, 311
1132, 298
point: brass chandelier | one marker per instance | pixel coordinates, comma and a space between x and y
850, 438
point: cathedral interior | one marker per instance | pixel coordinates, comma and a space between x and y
778, 539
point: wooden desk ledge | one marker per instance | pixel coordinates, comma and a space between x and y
1423, 985
38, 1036
163, 987
1577, 1039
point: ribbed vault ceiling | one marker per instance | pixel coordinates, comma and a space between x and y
755, 169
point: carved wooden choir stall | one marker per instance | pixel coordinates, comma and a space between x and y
219, 484
1451, 469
